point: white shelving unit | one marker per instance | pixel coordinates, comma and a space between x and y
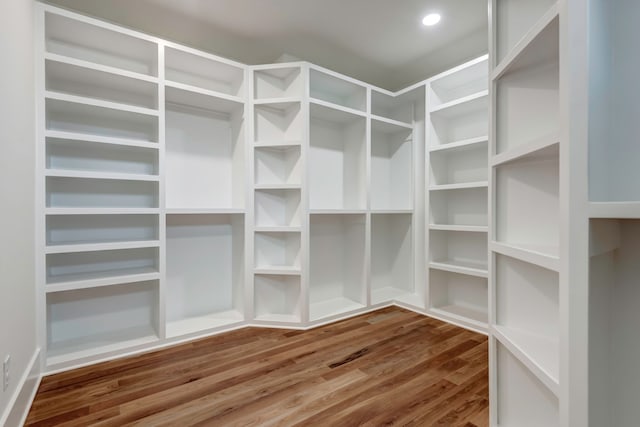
526, 264
457, 182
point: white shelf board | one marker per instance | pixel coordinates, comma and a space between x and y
71, 350
460, 145
65, 173
100, 103
462, 105
336, 211
277, 144
94, 280
279, 270
542, 256
278, 186
470, 269
539, 354
82, 137
278, 318
333, 307
101, 211
543, 148
279, 103
224, 98
391, 211
459, 313
334, 113
626, 210
204, 211
452, 227
387, 125
336, 107
93, 247
203, 323
520, 49
278, 229
461, 186
99, 67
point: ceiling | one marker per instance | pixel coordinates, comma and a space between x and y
379, 41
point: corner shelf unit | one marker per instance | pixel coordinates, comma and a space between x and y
457, 196
183, 194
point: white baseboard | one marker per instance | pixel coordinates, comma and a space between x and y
20, 402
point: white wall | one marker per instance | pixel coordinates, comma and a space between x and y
17, 278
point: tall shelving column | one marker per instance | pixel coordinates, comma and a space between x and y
278, 206
98, 164
457, 166
204, 167
525, 236
337, 199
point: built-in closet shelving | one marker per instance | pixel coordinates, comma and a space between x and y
457, 184
525, 220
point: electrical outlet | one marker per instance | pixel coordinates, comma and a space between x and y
6, 370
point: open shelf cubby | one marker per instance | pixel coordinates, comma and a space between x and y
277, 298
459, 251
527, 314
467, 206
205, 272
85, 268
458, 125
514, 20
77, 155
278, 165
93, 229
66, 78
461, 297
79, 118
522, 399
527, 94
277, 208
203, 71
337, 143
100, 45
613, 119
279, 122
459, 166
62, 192
277, 251
277, 82
83, 323
614, 296
335, 90
337, 264
528, 211
391, 166
391, 258
204, 151
459, 84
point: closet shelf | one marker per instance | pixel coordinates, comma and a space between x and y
278, 103
336, 211
461, 314
100, 103
200, 91
276, 229
460, 145
81, 137
278, 271
521, 49
391, 211
277, 186
193, 97
63, 59
477, 184
471, 269
333, 307
462, 105
542, 256
60, 173
451, 227
333, 112
101, 211
277, 318
539, 354
626, 210
95, 280
204, 211
539, 149
390, 125
277, 144
93, 247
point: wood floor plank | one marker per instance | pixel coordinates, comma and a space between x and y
388, 367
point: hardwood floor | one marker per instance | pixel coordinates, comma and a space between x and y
389, 367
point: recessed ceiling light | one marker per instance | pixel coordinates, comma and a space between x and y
431, 19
